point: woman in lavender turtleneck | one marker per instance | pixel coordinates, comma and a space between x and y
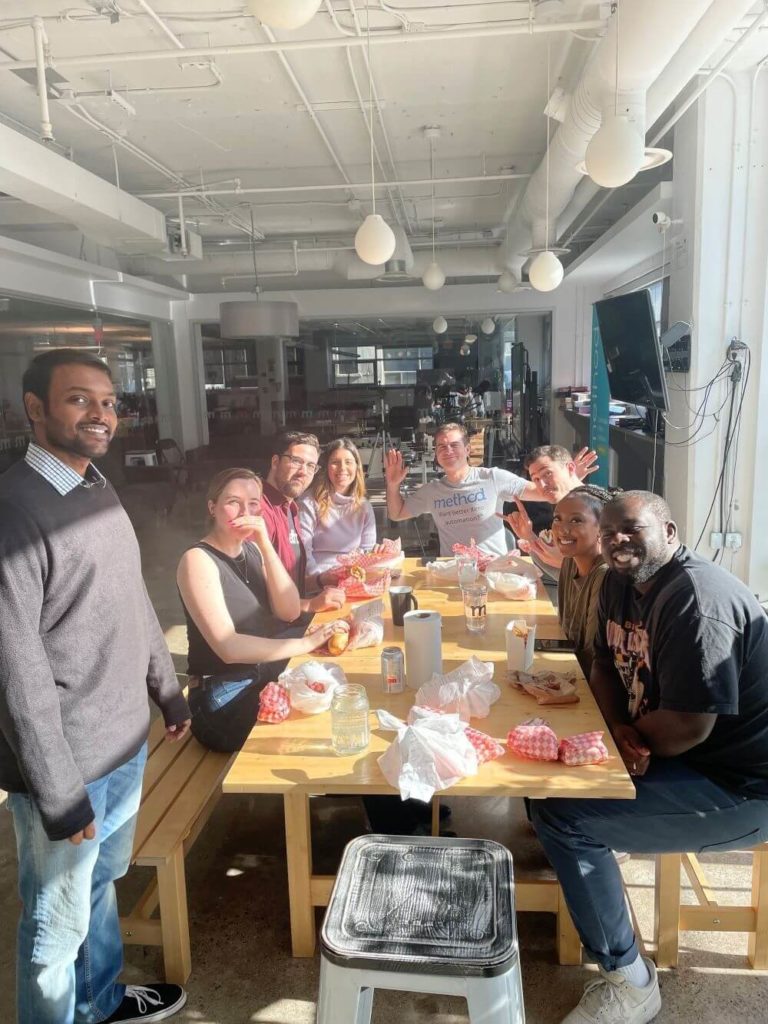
337, 517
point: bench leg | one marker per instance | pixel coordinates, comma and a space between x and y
298, 850
568, 941
758, 940
667, 909
172, 889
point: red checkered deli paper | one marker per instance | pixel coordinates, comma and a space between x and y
486, 747
585, 748
534, 740
274, 704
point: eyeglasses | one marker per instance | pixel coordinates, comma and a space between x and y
310, 467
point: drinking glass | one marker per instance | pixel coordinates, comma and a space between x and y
467, 571
475, 607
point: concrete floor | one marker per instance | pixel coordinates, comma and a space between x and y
242, 969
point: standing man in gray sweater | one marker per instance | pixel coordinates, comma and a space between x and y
80, 648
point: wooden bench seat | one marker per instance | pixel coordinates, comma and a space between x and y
182, 785
707, 915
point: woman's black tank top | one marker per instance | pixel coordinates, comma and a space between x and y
247, 604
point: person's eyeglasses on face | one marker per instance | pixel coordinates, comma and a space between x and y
300, 464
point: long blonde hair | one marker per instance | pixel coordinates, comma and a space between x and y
322, 491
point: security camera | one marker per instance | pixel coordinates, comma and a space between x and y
661, 220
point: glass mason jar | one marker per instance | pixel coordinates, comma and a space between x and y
350, 731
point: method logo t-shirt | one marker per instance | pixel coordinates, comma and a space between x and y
468, 510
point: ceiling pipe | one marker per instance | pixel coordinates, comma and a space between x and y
696, 50
192, 191
468, 263
652, 31
38, 31
513, 28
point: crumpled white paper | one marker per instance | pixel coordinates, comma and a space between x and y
513, 586
305, 697
445, 571
466, 691
428, 755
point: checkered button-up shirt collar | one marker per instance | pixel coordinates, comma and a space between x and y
58, 474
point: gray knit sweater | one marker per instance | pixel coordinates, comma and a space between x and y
80, 645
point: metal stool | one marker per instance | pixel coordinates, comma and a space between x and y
421, 915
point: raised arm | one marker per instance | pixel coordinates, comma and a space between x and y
394, 473
200, 588
283, 595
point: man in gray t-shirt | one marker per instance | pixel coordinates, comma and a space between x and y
465, 503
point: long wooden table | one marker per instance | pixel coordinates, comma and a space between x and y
296, 758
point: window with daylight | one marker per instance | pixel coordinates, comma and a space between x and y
379, 365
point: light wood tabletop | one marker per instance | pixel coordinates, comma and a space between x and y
296, 758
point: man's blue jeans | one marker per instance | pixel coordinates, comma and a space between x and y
677, 809
70, 950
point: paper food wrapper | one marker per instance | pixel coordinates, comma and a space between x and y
430, 755
466, 691
546, 687
311, 686
519, 638
512, 586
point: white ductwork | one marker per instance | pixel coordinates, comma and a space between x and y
455, 263
38, 175
652, 31
697, 49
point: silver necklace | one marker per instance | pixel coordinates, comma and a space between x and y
241, 564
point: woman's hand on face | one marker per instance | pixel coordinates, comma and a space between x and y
251, 527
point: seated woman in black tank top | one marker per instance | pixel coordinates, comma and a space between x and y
238, 599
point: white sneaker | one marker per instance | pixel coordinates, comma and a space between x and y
612, 1000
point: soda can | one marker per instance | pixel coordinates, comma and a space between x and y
392, 670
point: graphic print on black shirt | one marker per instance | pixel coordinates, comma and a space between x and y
629, 647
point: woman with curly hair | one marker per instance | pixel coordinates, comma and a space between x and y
337, 517
576, 532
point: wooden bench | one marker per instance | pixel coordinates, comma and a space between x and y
707, 915
182, 785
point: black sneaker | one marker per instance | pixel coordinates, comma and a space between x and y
143, 1004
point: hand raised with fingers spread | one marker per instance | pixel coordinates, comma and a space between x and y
585, 463
395, 470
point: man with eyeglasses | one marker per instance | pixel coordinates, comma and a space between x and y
292, 469
464, 502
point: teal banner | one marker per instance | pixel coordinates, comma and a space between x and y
599, 404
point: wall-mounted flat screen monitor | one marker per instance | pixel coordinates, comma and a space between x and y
632, 350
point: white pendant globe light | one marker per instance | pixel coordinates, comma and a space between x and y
433, 277
546, 272
488, 326
507, 281
284, 13
439, 325
375, 240
615, 152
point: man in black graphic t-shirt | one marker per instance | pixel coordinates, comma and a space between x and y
681, 676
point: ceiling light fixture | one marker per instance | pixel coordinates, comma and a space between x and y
375, 240
488, 326
507, 281
616, 151
439, 325
464, 350
470, 339
433, 277
546, 271
288, 14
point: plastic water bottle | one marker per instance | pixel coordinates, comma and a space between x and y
350, 731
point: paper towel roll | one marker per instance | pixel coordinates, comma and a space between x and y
423, 647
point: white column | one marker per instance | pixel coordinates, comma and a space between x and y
177, 350
719, 261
